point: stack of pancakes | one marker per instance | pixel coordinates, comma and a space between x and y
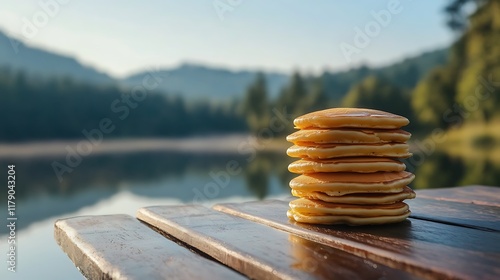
350, 168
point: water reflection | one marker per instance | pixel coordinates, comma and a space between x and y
42, 195
442, 170
258, 171
176, 174
437, 171
115, 171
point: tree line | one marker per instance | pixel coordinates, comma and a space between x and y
37, 109
463, 88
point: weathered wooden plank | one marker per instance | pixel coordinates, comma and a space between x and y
121, 247
471, 194
483, 217
428, 249
260, 251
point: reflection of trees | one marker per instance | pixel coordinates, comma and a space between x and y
257, 176
481, 172
99, 177
37, 177
441, 170
438, 171
112, 171
265, 164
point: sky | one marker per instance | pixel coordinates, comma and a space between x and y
124, 37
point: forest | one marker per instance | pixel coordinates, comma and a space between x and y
461, 91
35, 109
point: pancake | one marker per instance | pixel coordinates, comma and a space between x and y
354, 164
320, 208
350, 117
311, 137
398, 150
349, 220
341, 183
358, 198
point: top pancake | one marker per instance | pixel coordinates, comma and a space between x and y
350, 117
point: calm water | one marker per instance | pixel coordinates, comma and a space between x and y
110, 184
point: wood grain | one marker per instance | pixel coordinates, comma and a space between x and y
120, 247
427, 249
471, 194
260, 251
482, 217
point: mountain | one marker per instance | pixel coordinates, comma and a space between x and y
37, 62
408, 72
404, 74
198, 81
193, 81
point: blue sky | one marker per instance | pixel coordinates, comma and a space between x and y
122, 37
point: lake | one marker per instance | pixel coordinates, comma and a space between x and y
122, 182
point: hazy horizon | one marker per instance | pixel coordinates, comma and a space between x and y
301, 36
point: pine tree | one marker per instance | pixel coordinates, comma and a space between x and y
293, 96
466, 88
377, 93
317, 98
256, 105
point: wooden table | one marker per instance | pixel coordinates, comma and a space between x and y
452, 233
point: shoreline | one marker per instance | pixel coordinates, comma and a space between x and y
228, 144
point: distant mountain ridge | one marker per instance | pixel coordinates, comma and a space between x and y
195, 81
198, 81
404, 74
37, 62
